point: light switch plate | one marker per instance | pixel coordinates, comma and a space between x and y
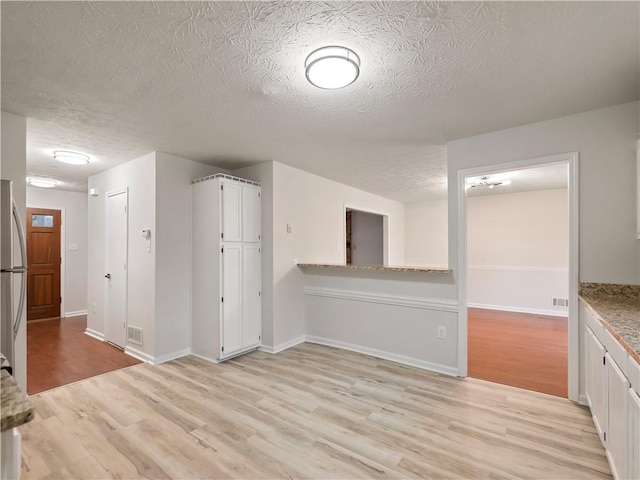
73, 247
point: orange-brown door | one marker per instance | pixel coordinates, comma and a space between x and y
43, 263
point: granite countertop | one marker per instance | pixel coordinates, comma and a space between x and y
374, 268
16, 408
618, 308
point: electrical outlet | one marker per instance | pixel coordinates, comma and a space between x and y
295, 262
338, 245
442, 332
288, 228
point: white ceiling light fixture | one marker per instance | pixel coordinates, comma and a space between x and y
332, 67
71, 158
41, 182
486, 182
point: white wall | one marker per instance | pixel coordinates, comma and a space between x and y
173, 252
314, 207
606, 141
426, 234
518, 251
159, 281
13, 166
74, 227
139, 177
367, 238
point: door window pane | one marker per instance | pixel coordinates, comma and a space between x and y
42, 220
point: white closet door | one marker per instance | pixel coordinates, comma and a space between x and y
231, 299
251, 214
252, 311
231, 212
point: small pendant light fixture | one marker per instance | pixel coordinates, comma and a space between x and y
332, 67
72, 158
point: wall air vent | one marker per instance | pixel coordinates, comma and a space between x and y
560, 302
134, 335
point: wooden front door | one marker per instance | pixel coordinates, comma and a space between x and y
43, 263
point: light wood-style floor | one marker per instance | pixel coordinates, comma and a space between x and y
519, 349
308, 412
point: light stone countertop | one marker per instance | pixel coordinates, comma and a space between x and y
16, 408
373, 268
617, 307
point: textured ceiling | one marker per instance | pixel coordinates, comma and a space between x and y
223, 82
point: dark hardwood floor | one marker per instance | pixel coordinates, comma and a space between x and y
59, 353
518, 349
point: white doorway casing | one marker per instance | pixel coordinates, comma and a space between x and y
116, 230
572, 160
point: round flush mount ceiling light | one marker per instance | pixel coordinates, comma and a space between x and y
41, 182
332, 67
72, 158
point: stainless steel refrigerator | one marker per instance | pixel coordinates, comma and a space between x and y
13, 265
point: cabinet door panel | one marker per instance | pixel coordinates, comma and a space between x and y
252, 280
634, 434
251, 214
232, 299
596, 382
231, 212
617, 424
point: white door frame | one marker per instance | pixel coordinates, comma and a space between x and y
572, 159
109, 194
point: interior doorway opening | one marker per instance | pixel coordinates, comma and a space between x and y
365, 237
518, 262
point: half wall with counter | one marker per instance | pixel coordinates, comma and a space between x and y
405, 314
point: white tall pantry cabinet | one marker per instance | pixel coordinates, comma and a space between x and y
226, 266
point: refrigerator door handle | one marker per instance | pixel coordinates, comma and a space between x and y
23, 268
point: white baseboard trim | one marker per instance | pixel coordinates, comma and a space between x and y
94, 334
394, 357
397, 300
206, 359
143, 357
75, 314
283, 346
171, 356
535, 311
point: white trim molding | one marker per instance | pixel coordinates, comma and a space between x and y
396, 300
143, 357
75, 314
170, 356
282, 346
393, 357
146, 358
94, 334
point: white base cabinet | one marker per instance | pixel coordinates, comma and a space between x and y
612, 385
226, 267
